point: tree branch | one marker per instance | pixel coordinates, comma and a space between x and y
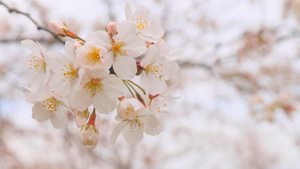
39, 27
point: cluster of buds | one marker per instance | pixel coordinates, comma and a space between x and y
127, 68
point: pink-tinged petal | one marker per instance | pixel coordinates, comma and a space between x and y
59, 118
128, 11
96, 73
109, 59
152, 125
151, 56
70, 52
125, 67
114, 86
40, 113
126, 31
136, 47
116, 132
142, 12
81, 99
154, 31
102, 38
133, 134
32, 46
37, 97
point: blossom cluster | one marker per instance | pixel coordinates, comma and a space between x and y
127, 67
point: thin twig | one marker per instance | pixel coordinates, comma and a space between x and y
39, 27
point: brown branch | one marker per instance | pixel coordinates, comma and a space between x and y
39, 27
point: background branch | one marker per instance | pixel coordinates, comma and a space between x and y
39, 27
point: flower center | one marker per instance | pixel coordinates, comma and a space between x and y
50, 104
136, 122
156, 70
69, 72
93, 56
37, 64
117, 47
130, 114
141, 24
94, 86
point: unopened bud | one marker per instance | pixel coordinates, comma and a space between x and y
90, 136
81, 117
111, 28
58, 27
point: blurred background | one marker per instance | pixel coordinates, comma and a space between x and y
239, 87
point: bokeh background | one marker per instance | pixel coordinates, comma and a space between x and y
238, 87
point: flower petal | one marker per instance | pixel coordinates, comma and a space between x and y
81, 99
126, 31
128, 11
59, 118
136, 47
133, 134
151, 56
154, 31
29, 44
102, 38
152, 125
116, 132
40, 113
125, 67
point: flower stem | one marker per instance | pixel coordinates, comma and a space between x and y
124, 81
138, 86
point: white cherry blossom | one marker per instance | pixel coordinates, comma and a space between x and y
135, 120
99, 88
92, 55
157, 69
122, 48
47, 106
65, 69
35, 62
148, 30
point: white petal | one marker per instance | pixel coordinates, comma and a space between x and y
37, 81
29, 44
153, 84
142, 12
125, 67
40, 113
152, 125
169, 69
133, 135
70, 52
126, 31
56, 61
104, 103
116, 132
59, 86
59, 118
47, 75
113, 85
128, 11
136, 47
81, 99
155, 30
151, 56
102, 38
37, 97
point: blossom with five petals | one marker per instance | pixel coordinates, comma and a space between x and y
135, 120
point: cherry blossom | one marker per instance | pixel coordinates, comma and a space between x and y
135, 120
35, 62
122, 48
148, 30
99, 88
47, 106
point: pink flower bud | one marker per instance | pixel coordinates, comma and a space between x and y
111, 28
60, 28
